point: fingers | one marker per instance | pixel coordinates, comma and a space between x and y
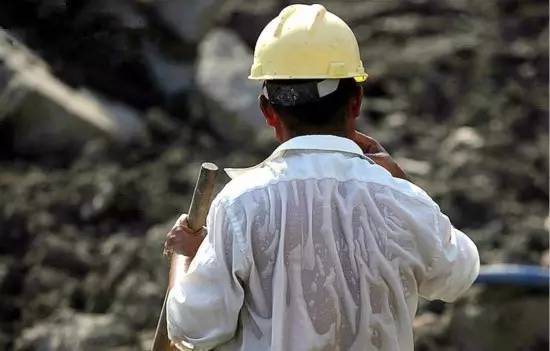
183, 244
378, 155
182, 220
367, 144
183, 225
181, 239
364, 138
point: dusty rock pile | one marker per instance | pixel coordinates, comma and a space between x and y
457, 91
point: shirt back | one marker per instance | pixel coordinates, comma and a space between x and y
324, 251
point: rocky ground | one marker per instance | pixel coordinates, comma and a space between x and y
106, 116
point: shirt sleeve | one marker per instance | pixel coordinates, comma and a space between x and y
452, 264
204, 304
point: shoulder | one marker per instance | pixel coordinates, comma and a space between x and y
405, 188
394, 192
374, 175
251, 181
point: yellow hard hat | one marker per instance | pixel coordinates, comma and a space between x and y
307, 42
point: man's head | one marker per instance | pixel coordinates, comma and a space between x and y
308, 106
309, 61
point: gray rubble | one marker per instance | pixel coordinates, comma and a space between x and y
457, 92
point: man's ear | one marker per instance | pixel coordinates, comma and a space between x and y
269, 113
355, 102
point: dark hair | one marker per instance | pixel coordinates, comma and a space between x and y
327, 113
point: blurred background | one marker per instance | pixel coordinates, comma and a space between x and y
107, 109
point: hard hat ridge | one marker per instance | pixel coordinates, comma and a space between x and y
318, 12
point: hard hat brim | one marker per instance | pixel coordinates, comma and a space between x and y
359, 79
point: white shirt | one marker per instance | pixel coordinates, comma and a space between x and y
316, 248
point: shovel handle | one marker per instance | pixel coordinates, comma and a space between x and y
198, 210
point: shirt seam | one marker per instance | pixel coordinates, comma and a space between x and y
230, 200
243, 247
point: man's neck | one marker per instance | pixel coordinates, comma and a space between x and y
292, 134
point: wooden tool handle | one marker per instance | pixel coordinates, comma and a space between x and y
202, 196
198, 210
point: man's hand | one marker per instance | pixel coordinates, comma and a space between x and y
373, 150
182, 240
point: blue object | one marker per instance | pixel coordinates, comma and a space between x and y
513, 274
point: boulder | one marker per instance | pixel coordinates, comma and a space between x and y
545, 259
120, 253
146, 339
521, 325
189, 19
70, 256
137, 302
171, 75
125, 12
414, 167
47, 115
428, 328
248, 18
151, 253
77, 331
4, 274
463, 137
223, 66
40, 280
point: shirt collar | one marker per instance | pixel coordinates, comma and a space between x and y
306, 142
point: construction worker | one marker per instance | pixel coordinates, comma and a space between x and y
324, 245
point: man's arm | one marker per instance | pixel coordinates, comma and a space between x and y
453, 266
205, 294
450, 258
181, 245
